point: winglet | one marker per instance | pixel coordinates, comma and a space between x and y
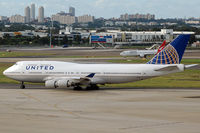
90, 75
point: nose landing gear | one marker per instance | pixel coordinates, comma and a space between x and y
22, 86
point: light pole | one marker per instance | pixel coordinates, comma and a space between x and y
51, 27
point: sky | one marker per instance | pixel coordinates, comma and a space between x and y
107, 8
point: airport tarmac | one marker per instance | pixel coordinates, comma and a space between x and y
86, 52
40, 110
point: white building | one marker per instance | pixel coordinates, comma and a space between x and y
192, 22
143, 36
26, 33
109, 23
85, 19
120, 23
30, 33
27, 14
32, 12
64, 19
17, 19
132, 23
132, 37
3, 18
40, 27
67, 31
41, 14
137, 16
153, 36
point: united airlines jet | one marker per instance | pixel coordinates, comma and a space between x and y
57, 74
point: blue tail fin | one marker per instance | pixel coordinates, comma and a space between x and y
173, 52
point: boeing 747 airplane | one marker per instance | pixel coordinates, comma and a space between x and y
57, 74
143, 53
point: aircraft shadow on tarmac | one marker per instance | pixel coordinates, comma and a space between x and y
41, 87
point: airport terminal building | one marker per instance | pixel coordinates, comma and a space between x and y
131, 36
143, 36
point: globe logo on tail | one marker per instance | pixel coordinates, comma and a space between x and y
168, 55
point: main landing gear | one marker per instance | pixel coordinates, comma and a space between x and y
22, 86
90, 87
78, 88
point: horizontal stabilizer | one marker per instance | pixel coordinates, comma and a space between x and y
191, 66
168, 68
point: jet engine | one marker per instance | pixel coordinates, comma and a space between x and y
50, 84
62, 83
142, 55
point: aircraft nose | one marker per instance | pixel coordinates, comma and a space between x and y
122, 53
5, 72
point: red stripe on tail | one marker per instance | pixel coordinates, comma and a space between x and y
161, 47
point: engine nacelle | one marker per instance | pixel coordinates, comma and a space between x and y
63, 83
142, 55
50, 84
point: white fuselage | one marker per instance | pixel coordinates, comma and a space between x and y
140, 53
41, 71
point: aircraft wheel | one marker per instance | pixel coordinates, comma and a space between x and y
92, 87
22, 86
78, 88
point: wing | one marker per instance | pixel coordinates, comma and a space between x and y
83, 80
55, 82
